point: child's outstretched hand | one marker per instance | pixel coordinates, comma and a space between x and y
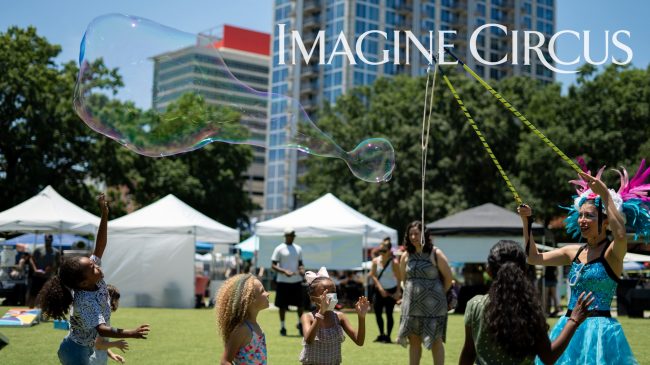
362, 306
140, 332
103, 203
121, 344
118, 358
581, 310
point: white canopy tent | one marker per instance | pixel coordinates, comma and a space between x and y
150, 253
48, 211
331, 234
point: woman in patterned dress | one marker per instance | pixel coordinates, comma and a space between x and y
426, 277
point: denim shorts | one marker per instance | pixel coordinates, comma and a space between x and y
72, 353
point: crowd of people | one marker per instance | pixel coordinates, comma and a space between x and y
507, 325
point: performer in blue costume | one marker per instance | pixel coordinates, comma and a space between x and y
597, 265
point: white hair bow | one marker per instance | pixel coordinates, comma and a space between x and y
311, 276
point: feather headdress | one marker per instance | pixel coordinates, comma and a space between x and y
631, 200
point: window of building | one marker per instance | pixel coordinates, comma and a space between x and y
340, 10
447, 16
496, 14
480, 70
358, 78
373, 13
549, 28
549, 14
361, 10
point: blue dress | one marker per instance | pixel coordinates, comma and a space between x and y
599, 339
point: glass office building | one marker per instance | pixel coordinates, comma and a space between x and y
314, 84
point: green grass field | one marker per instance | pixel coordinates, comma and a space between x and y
189, 336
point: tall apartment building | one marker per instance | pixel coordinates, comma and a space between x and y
246, 54
313, 84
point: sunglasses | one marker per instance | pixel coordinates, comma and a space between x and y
573, 279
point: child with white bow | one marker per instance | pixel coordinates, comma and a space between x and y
323, 328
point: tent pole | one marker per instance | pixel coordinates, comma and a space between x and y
254, 258
60, 239
363, 259
194, 233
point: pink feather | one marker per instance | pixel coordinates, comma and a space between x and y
635, 188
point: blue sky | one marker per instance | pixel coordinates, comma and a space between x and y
64, 22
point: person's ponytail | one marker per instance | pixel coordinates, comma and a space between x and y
55, 297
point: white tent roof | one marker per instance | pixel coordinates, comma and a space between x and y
47, 211
324, 217
170, 215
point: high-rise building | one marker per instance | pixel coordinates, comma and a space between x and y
195, 69
316, 83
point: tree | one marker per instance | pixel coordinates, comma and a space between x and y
603, 118
42, 140
459, 173
210, 179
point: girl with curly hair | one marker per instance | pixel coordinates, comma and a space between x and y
238, 302
597, 265
507, 326
80, 283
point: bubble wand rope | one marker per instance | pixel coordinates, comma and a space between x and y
481, 137
517, 114
426, 126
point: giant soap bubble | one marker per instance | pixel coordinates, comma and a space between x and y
195, 99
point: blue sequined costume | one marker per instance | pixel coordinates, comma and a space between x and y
599, 339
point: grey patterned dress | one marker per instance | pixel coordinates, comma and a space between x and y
424, 303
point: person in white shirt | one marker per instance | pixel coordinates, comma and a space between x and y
287, 262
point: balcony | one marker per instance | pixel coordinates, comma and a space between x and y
504, 4
311, 6
405, 9
307, 88
311, 22
309, 71
309, 104
309, 38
